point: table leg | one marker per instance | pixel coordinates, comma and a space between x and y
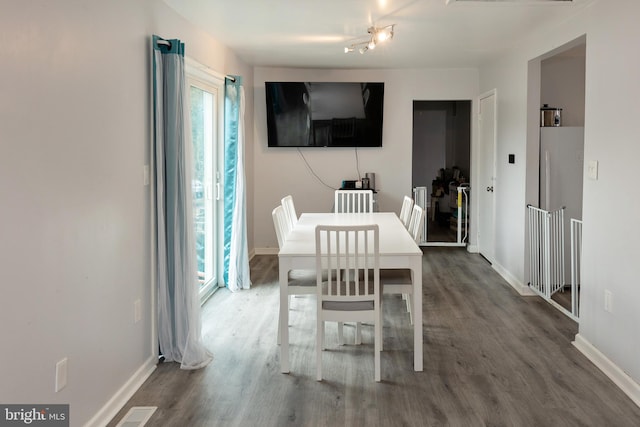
284, 318
416, 271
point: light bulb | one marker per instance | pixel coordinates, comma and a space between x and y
385, 33
372, 44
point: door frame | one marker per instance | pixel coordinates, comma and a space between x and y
481, 185
207, 79
431, 105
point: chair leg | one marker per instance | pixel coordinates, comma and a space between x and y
319, 348
377, 347
358, 333
340, 333
288, 306
409, 302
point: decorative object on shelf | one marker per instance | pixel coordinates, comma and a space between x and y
376, 35
550, 116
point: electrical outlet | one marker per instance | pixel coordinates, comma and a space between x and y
137, 311
61, 374
608, 301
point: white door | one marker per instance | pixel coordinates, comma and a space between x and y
487, 179
205, 105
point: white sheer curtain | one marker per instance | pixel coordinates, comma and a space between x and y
236, 249
179, 318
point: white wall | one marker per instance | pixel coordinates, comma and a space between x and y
281, 171
610, 245
562, 85
75, 123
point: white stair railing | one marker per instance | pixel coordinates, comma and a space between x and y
576, 265
423, 199
546, 250
463, 213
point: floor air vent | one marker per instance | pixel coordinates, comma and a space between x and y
137, 416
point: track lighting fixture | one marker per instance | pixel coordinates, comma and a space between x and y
376, 35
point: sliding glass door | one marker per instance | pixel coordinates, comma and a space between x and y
204, 105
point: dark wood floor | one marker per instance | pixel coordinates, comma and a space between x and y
491, 358
440, 229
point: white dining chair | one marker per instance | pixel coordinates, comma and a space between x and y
289, 210
299, 282
398, 281
353, 201
348, 282
416, 222
405, 211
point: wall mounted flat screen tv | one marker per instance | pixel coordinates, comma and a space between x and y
317, 114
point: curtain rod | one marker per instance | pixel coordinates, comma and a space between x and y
168, 43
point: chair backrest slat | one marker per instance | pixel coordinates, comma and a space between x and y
281, 224
289, 210
348, 258
353, 201
405, 212
416, 222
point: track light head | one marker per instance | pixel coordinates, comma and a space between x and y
376, 35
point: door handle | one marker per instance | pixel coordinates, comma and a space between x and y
490, 189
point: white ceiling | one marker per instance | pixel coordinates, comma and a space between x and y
428, 33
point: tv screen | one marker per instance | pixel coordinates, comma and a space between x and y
317, 114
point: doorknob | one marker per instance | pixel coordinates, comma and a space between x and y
490, 189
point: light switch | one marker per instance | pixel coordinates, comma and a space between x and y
592, 169
61, 374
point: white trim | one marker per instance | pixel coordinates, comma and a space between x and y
122, 396
455, 244
627, 384
266, 251
562, 310
209, 80
513, 281
203, 72
478, 165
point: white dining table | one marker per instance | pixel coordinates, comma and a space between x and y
397, 250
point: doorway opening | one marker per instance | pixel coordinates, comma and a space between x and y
555, 173
441, 162
205, 104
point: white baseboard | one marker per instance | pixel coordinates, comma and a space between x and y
610, 369
266, 251
122, 396
516, 284
473, 249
